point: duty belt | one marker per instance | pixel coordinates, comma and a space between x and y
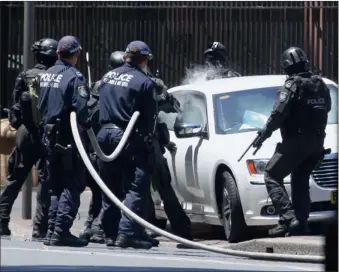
109, 126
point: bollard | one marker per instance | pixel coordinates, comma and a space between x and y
28, 63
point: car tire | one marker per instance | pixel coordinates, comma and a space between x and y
234, 223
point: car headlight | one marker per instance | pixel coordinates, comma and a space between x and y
257, 167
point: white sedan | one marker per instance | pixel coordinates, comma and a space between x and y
220, 119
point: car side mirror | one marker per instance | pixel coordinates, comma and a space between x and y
187, 130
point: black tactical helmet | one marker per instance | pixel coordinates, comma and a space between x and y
215, 51
46, 47
116, 60
294, 60
45, 51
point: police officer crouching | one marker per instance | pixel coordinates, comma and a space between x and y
301, 114
63, 89
123, 91
93, 231
28, 150
215, 58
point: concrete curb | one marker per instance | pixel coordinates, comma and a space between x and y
299, 245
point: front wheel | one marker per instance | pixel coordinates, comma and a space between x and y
234, 223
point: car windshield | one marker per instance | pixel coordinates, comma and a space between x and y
248, 110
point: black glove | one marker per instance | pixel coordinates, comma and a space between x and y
262, 136
172, 147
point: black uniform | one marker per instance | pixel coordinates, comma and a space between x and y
63, 89
161, 177
126, 90
28, 149
215, 59
93, 227
301, 114
161, 181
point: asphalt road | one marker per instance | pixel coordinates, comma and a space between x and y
20, 255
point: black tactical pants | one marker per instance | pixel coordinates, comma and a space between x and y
27, 152
66, 185
161, 181
296, 156
94, 217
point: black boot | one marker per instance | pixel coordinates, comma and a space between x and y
146, 237
38, 236
281, 230
97, 238
186, 236
67, 239
86, 233
4, 229
48, 237
298, 228
124, 241
109, 241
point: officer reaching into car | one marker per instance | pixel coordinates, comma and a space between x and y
93, 231
161, 177
28, 150
122, 92
215, 58
301, 114
63, 89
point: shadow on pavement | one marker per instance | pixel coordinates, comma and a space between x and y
58, 268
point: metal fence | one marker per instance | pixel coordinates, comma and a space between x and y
254, 33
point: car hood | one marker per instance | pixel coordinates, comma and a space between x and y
236, 144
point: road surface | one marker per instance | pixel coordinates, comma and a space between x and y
20, 255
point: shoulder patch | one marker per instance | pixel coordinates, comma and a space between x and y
288, 84
83, 92
283, 96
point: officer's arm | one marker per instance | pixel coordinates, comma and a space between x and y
329, 101
18, 87
79, 101
281, 107
150, 108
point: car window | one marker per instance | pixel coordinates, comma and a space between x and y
193, 106
249, 110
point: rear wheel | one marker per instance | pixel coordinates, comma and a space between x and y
234, 223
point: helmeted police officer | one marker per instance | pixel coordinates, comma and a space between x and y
116, 59
301, 114
123, 91
93, 227
63, 89
215, 58
28, 151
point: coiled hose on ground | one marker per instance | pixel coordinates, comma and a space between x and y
139, 220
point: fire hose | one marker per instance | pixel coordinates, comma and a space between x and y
144, 223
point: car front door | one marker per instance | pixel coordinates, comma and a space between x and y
184, 163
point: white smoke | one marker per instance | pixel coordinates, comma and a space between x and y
197, 74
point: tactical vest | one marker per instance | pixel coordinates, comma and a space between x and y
29, 97
310, 106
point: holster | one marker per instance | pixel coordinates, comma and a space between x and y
52, 140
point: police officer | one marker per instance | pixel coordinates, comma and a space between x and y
161, 177
301, 114
116, 59
123, 91
63, 89
93, 228
28, 144
215, 59
161, 181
